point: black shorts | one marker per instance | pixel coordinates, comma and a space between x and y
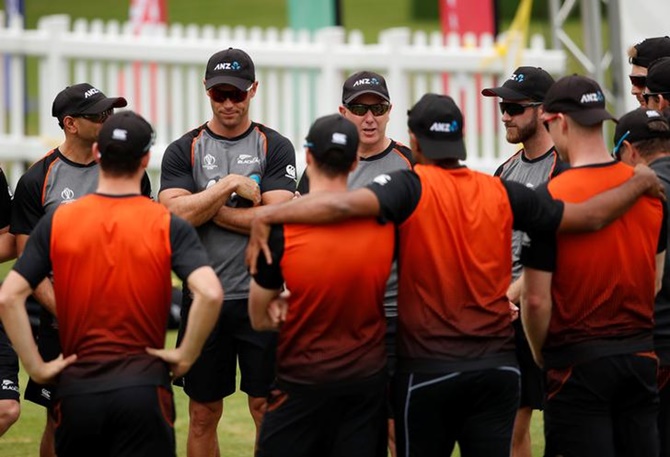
339, 419
212, 376
9, 369
128, 422
475, 409
532, 377
607, 406
48, 344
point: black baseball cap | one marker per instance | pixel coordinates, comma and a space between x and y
231, 66
634, 126
83, 99
333, 132
364, 82
579, 97
525, 83
125, 134
437, 123
658, 76
651, 49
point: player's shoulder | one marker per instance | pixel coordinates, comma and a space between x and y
38, 171
185, 141
272, 135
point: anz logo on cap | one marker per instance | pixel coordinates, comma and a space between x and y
592, 97
518, 78
445, 127
367, 81
235, 65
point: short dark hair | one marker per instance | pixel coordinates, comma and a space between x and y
334, 162
118, 164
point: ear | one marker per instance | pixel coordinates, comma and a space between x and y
354, 164
254, 88
308, 157
342, 110
96, 152
144, 163
69, 124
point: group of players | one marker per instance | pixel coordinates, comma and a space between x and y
423, 292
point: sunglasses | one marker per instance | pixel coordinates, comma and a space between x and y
234, 95
514, 109
648, 95
548, 119
377, 109
638, 81
98, 118
616, 152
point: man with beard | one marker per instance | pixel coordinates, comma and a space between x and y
521, 107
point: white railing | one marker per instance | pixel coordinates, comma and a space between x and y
160, 73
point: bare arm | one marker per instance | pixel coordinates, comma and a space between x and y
239, 219
604, 208
201, 207
13, 294
7, 245
267, 307
202, 316
514, 290
536, 309
314, 208
660, 267
44, 292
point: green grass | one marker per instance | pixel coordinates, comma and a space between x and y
236, 429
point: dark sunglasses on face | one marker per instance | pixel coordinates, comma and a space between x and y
514, 109
98, 118
638, 81
234, 95
377, 109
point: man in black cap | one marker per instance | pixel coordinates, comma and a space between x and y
643, 136
197, 173
112, 253
588, 299
537, 162
657, 95
640, 57
63, 175
457, 377
366, 102
330, 397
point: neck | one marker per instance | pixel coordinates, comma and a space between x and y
538, 144
77, 151
120, 185
656, 155
228, 132
371, 150
587, 149
321, 183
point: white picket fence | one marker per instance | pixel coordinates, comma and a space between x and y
160, 72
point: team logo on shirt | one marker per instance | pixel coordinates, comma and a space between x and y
8, 384
210, 162
382, 180
247, 159
67, 195
290, 172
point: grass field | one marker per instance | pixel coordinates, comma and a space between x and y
236, 430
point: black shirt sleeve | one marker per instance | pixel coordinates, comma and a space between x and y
146, 185
5, 201
176, 168
188, 253
34, 264
663, 237
270, 276
534, 211
559, 168
27, 207
398, 193
280, 172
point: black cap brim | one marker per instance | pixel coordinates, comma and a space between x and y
442, 149
504, 92
240, 83
591, 117
104, 105
363, 92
